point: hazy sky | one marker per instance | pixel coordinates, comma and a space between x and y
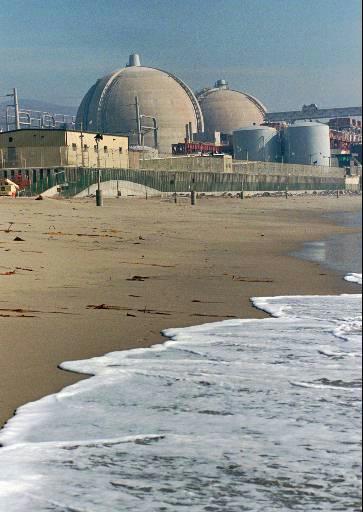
285, 52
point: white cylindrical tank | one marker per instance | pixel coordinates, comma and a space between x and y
258, 143
307, 143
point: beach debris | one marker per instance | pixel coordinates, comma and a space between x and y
140, 238
252, 280
26, 269
90, 235
39, 198
213, 316
17, 316
146, 264
145, 310
137, 278
8, 273
18, 239
206, 301
11, 224
23, 311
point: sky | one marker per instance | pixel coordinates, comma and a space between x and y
285, 52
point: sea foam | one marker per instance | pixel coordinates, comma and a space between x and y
354, 278
238, 415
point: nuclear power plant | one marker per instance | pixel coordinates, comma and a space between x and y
149, 120
157, 110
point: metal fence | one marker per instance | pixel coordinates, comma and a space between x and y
72, 181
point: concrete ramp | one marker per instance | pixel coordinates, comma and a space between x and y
114, 188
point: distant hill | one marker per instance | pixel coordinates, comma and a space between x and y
43, 106
48, 107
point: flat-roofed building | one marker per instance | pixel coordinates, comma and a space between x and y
62, 148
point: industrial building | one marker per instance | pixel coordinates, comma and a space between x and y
49, 148
152, 106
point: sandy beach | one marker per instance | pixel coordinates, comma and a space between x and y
83, 281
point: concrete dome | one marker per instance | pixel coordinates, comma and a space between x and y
225, 110
109, 106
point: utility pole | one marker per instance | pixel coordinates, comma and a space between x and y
82, 146
14, 95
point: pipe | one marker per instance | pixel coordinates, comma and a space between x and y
16, 107
191, 131
138, 121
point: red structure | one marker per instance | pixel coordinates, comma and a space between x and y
200, 148
22, 181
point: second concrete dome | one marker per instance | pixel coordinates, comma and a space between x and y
109, 106
225, 110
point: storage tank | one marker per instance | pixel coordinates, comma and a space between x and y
225, 110
258, 143
307, 143
163, 102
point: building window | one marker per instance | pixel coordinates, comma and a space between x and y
105, 149
74, 147
11, 139
95, 148
120, 151
85, 147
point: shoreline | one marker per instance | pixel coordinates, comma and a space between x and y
89, 281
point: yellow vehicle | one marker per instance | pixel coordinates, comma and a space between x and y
8, 188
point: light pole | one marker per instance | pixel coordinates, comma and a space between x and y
311, 158
99, 197
287, 186
329, 160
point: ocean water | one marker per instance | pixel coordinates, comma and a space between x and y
241, 415
343, 252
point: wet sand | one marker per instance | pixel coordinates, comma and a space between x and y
85, 281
